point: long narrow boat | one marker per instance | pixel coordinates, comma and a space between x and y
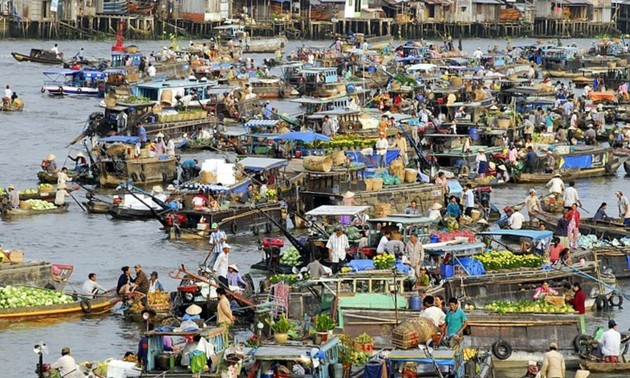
92, 306
97, 207
28, 212
602, 229
38, 56
601, 367
538, 178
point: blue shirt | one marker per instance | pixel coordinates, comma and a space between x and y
142, 134
189, 164
453, 210
455, 321
267, 112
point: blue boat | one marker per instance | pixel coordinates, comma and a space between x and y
74, 82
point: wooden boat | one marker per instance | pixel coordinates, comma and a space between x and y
540, 178
51, 178
38, 56
121, 212
602, 229
28, 212
16, 105
601, 367
35, 274
97, 207
562, 74
92, 307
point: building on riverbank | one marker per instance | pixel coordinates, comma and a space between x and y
322, 20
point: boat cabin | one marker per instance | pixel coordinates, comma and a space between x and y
166, 92
314, 78
119, 59
270, 358
75, 82
316, 104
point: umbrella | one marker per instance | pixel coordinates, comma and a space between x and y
303, 136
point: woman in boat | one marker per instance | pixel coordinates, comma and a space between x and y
124, 281
79, 161
482, 163
601, 212
453, 209
49, 164
234, 278
544, 290
573, 229
555, 249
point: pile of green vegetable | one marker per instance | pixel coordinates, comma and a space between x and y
136, 100
288, 279
388, 179
28, 191
19, 296
525, 306
351, 232
291, 257
40, 205
201, 142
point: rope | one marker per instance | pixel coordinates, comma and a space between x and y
606, 285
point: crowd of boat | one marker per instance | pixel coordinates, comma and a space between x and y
381, 189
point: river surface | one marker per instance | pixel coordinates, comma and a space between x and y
94, 243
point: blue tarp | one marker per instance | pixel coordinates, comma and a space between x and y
303, 136
580, 161
359, 265
471, 266
535, 235
120, 139
454, 188
356, 156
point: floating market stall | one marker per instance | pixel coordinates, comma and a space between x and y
15, 271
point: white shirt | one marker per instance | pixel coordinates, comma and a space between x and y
170, 148
570, 196
62, 178
469, 198
381, 146
624, 207
478, 54
90, 287
435, 314
435, 214
7, 93
338, 245
151, 71
215, 236
66, 365
60, 197
555, 185
221, 265
382, 244
611, 343
516, 221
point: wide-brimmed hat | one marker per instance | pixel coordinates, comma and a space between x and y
502, 167
494, 107
158, 189
492, 165
600, 106
214, 225
348, 194
233, 266
193, 309
553, 345
481, 150
532, 190
80, 154
436, 206
226, 245
550, 152
557, 175
11, 186
65, 350
51, 157
170, 187
159, 135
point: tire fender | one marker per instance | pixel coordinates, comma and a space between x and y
86, 306
615, 300
143, 178
580, 341
79, 90
234, 228
601, 303
134, 177
502, 350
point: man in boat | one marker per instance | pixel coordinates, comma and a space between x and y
315, 269
530, 160
414, 253
516, 219
63, 178
142, 134
381, 150
224, 311
337, 246
456, 320
49, 164
469, 199
556, 186
571, 196
550, 162
610, 343
553, 363
14, 197
60, 197
430, 311
217, 240
55, 49
7, 91
190, 169
220, 266
66, 365
533, 205
412, 209
90, 287
141, 282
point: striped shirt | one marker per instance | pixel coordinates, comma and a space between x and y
338, 246
215, 237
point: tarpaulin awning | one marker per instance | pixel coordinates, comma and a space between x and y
302, 136
262, 164
119, 139
332, 210
532, 234
579, 161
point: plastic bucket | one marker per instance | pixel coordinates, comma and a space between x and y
473, 133
446, 270
434, 238
415, 303
373, 370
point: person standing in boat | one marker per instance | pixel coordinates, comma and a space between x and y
610, 343
80, 163
14, 197
220, 266
573, 216
7, 91
456, 320
533, 205
381, 150
553, 363
571, 196
337, 246
55, 49
63, 178
482, 162
218, 239
224, 310
142, 134
90, 287
430, 311
624, 208
556, 186
60, 197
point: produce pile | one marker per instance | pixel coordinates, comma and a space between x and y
351, 232
291, 257
40, 205
451, 235
347, 142
525, 306
19, 296
591, 241
384, 261
136, 100
271, 194
28, 191
388, 179
159, 300
46, 188
507, 260
201, 142
288, 279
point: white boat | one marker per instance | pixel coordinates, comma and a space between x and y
237, 34
74, 82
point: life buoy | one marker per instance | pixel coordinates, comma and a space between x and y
143, 178
134, 176
255, 230
615, 300
502, 350
601, 303
79, 90
268, 228
43, 90
234, 228
464, 170
86, 306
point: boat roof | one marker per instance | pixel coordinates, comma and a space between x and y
290, 65
234, 131
258, 164
62, 72
290, 353
176, 84
228, 27
454, 247
261, 123
318, 100
532, 234
333, 210
317, 70
404, 219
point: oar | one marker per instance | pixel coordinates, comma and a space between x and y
75, 200
588, 212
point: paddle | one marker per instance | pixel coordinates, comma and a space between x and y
75, 200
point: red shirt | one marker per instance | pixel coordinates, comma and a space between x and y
575, 215
578, 301
554, 252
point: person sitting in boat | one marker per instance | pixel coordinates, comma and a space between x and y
412, 209
555, 249
234, 278
610, 344
159, 146
579, 299
14, 197
590, 135
430, 311
79, 161
66, 365
91, 288
544, 290
154, 283
199, 200
600, 214
192, 312
49, 164
190, 169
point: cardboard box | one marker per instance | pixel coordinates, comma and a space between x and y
16, 257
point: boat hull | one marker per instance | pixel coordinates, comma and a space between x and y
35, 274
600, 367
27, 58
97, 306
264, 44
541, 178
142, 171
29, 212
65, 90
